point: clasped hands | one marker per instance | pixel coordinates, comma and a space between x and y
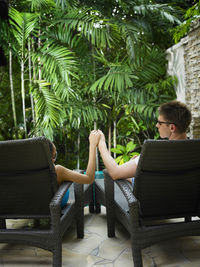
96, 138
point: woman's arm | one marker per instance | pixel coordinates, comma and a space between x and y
65, 174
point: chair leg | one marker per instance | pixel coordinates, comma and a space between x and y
188, 219
137, 257
92, 199
57, 256
97, 207
80, 221
111, 228
97, 204
91, 207
110, 205
80, 227
36, 223
79, 206
2, 224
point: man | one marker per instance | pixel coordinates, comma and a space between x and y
173, 122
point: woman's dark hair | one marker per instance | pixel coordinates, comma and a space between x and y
176, 112
50, 146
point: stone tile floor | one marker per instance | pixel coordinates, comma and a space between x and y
96, 249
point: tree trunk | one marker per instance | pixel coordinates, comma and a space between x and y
23, 93
78, 148
30, 81
12, 88
97, 155
109, 139
39, 45
114, 136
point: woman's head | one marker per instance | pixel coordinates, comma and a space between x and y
52, 149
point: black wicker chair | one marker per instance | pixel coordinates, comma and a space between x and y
28, 189
166, 186
99, 195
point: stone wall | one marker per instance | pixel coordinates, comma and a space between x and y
184, 62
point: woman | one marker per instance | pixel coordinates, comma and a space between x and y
65, 174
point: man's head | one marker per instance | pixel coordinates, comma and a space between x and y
174, 117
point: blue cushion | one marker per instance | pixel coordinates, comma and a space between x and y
65, 199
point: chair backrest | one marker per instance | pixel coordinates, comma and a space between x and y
167, 181
27, 177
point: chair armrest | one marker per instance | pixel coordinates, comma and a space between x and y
124, 185
78, 189
57, 199
127, 191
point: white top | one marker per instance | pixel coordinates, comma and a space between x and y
136, 159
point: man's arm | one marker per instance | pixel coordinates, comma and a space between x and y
126, 170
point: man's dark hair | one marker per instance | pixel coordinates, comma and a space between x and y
178, 113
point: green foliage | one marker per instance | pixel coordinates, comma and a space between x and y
23, 24
91, 61
7, 129
192, 14
57, 65
118, 78
125, 152
48, 106
90, 25
41, 5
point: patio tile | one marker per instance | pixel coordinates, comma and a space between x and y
124, 259
74, 259
86, 245
96, 249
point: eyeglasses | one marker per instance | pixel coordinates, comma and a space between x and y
164, 122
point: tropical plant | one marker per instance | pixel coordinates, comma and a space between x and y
92, 62
192, 14
125, 152
23, 24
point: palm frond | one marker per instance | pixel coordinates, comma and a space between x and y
47, 105
41, 5
23, 24
90, 25
57, 63
163, 10
63, 4
84, 112
146, 100
61, 35
149, 64
118, 79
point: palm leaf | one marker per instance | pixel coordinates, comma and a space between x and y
91, 25
162, 10
84, 112
23, 24
47, 105
118, 79
58, 65
41, 5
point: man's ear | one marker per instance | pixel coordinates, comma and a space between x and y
172, 128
